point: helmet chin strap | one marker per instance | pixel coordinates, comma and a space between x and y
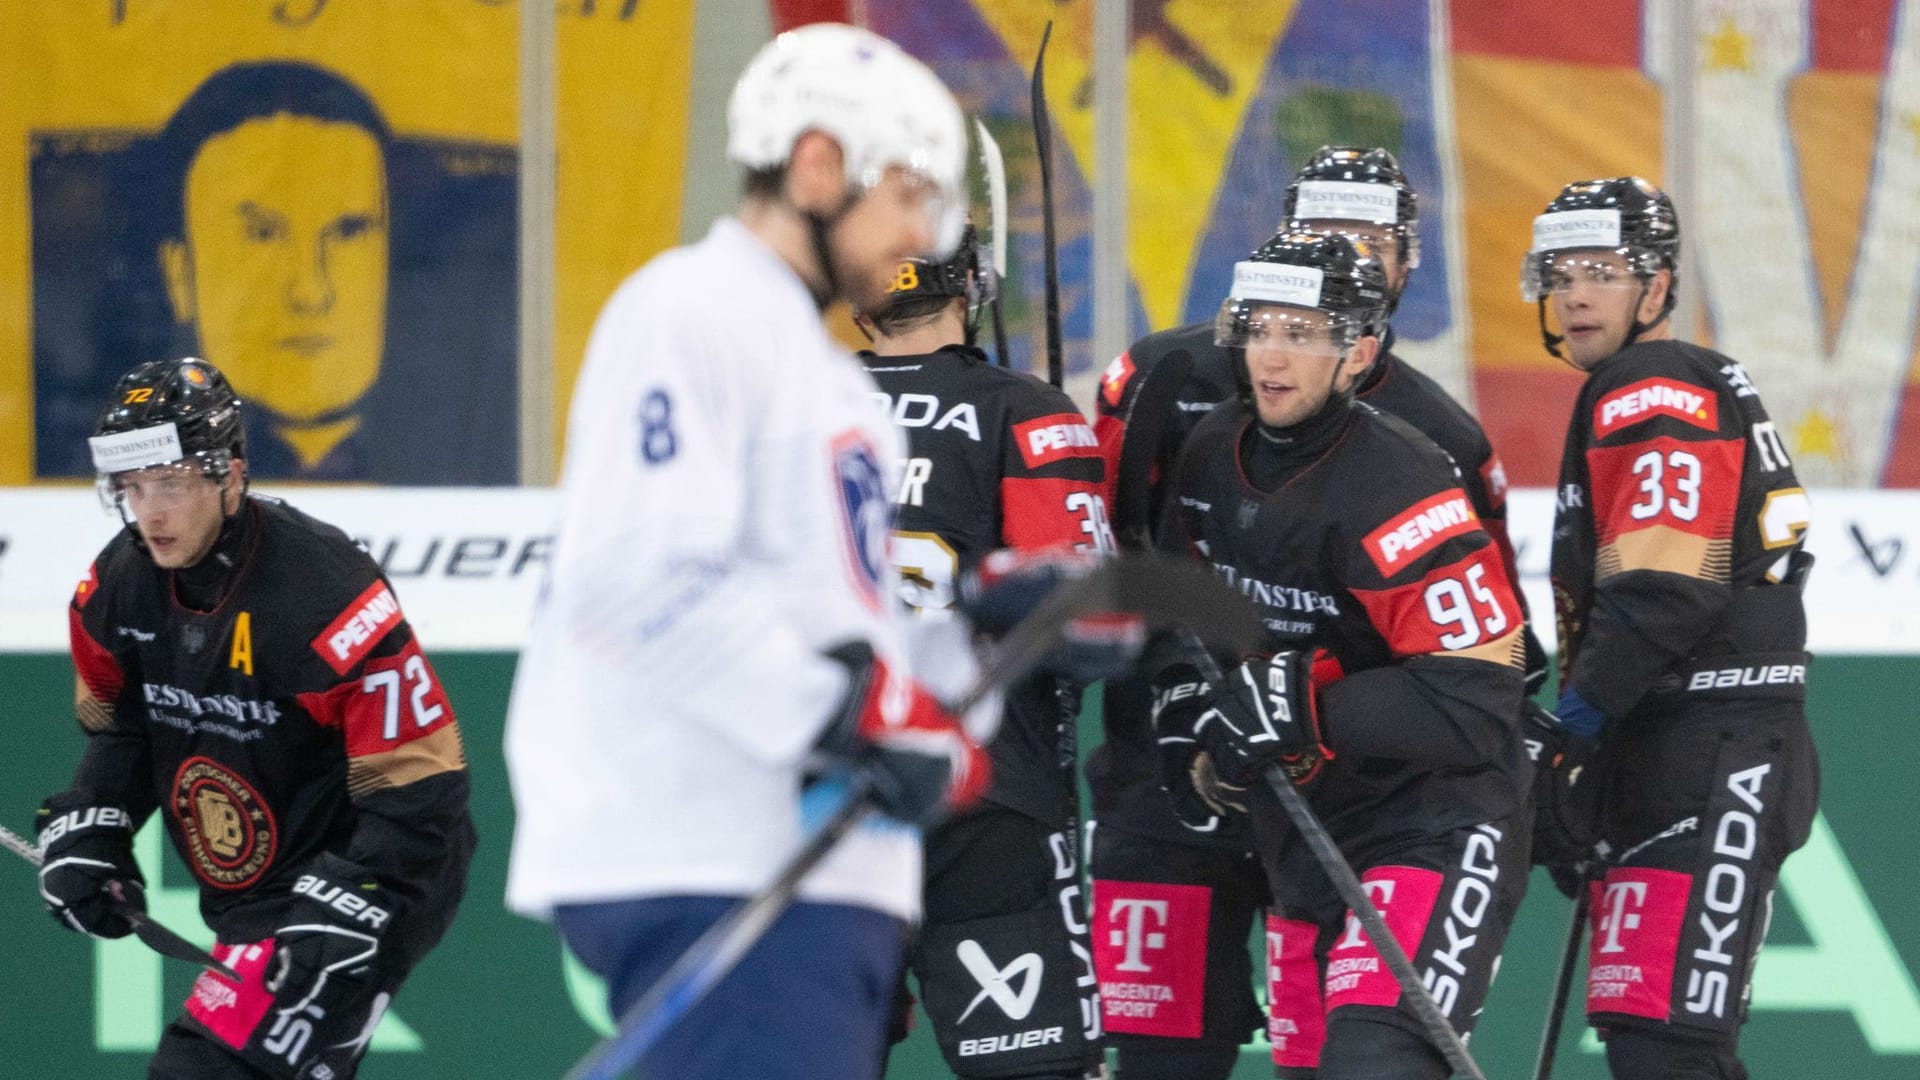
819, 225
1553, 341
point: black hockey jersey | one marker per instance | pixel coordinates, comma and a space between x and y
298, 716
996, 458
1678, 520
1151, 398
1365, 545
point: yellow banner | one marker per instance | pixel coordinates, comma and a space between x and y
320, 198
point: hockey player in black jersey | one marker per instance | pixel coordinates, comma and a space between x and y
1150, 399
246, 671
1391, 688
1677, 574
996, 460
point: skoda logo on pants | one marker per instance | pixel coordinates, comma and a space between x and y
996, 983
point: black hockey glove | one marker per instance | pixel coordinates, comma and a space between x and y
1536, 661
89, 877
1566, 806
326, 952
1194, 792
922, 761
1267, 716
1008, 585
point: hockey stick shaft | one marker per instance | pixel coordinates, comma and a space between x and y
1562, 986
1167, 590
1043, 142
1347, 884
153, 935
708, 960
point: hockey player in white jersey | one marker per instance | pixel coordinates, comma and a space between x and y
720, 617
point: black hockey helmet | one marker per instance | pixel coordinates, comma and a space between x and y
170, 411
1624, 214
1303, 268
1323, 191
923, 286
1296, 272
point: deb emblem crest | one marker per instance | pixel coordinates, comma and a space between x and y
867, 520
229, 831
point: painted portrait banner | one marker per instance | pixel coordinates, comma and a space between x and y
321, 199
1806, 140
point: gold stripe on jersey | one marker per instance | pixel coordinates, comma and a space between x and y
1668, 550
426, 756
95, 716
1509, 650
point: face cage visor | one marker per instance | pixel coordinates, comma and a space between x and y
1544, 273
1257, 324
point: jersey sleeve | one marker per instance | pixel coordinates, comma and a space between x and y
657, 499
1053, 478
406, 765
1665, 451
116, 766
1434, 588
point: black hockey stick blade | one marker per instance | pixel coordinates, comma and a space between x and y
153, 935
1164, 592
1043, 142
157, 937
1347, 884
1562, 986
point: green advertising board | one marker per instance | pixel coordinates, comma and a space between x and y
1835, 994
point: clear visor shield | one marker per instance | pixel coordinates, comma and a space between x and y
160, 487
1383, 240
943, 207
1255, 324
1542, 274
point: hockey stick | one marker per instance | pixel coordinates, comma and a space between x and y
994, 165
1164, 592
1043, 141
1563, 984
152, 934
1347, 884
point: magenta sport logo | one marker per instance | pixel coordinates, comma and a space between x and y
867, 515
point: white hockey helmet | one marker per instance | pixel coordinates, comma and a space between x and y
882, 106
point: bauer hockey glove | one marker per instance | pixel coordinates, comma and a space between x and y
1194, 792
88, 876
1009, 585
310, 994
1566, 810
920, 758
1267, 715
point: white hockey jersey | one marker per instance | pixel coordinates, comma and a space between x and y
724, 521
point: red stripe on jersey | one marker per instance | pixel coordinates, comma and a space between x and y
1047, 439
1112, 433
89, 585
1113, 381
1690, 486
396, 700
353, 634
93, 662
1458, 606
1043, 512
1649, 398
1397, 544
1493, 476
